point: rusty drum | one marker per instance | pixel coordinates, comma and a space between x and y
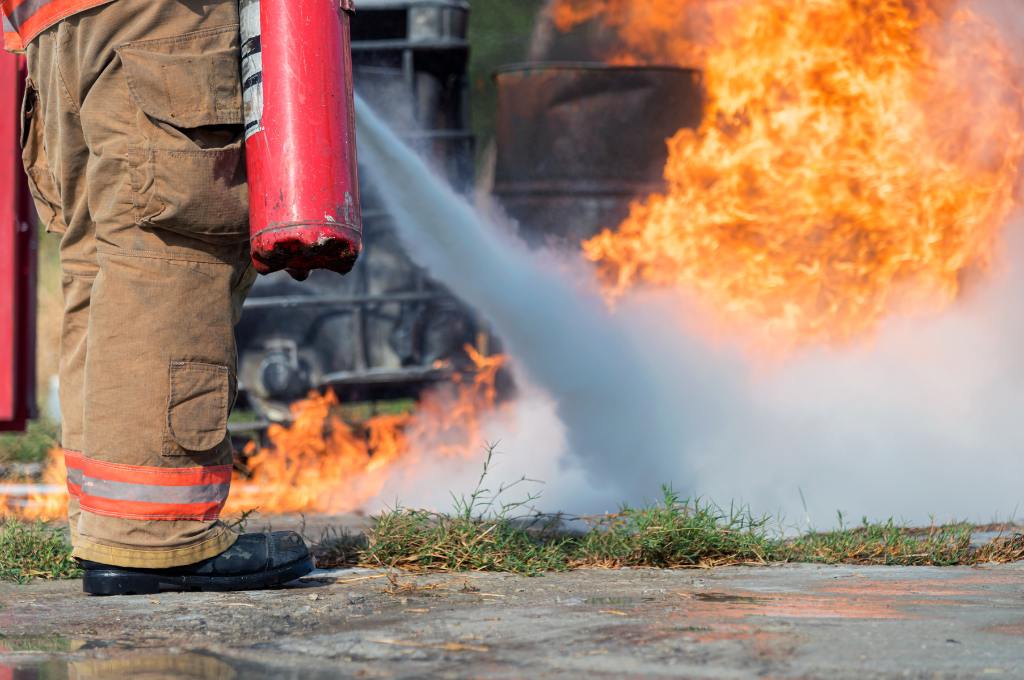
577, 143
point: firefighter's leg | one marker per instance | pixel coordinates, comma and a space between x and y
55, 157
152, 88
157, 92
133, 145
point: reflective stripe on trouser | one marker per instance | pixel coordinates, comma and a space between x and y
139, 492
155, 266
136, 492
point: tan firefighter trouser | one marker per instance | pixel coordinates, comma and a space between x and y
132, 140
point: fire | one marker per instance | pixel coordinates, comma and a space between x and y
321, 463
858, 159
45, 501
662, 32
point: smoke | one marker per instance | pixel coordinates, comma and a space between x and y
924, 422
1006, 14
621, 406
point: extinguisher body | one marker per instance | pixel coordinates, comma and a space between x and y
300, 135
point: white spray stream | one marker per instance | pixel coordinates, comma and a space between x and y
618, 403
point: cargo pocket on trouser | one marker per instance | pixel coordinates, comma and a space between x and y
187, 164
198, 405
33, 154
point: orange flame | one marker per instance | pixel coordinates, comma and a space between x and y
40, 503
321, 463
649, 32
857, 159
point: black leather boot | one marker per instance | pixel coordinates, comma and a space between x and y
254, 562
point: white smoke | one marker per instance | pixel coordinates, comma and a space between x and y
622, 406
926, 422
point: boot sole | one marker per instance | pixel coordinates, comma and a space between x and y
128, 582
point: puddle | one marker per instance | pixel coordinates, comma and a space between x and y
181, 666
38, 670
725, 598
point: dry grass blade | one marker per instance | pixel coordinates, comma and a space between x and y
1003, 550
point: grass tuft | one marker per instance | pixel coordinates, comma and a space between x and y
1003, 550
482, 534
885, 543
36, 550
674, 534
416, 540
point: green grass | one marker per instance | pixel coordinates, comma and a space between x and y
32, 446
885, 543
362, 411
423, 541
679, 535
481, 534
486, 532
49, 310
674, 534
36, 550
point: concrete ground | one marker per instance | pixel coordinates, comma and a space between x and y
778, 622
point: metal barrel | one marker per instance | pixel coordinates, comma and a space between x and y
578, 142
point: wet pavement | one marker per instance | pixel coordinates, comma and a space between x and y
778, 622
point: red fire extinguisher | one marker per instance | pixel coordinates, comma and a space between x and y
300, 135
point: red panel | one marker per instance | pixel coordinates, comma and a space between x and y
17, 259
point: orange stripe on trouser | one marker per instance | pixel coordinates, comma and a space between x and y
147, 493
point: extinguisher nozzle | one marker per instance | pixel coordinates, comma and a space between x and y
299, 249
